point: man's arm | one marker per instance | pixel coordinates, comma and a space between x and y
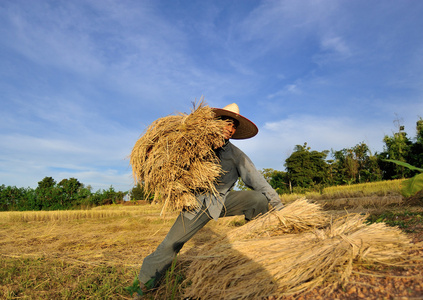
255, 180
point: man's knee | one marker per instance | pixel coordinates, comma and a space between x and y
259, 200
259, 205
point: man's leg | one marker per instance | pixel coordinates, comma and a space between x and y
247, 203
155, 265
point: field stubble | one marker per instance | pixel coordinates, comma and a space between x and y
95, 254
80, 254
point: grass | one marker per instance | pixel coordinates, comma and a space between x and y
101, 212
408, 221
364, 195
379, 188
56, 278
371, 189
76, 254
288, 198
95, 254
84, 254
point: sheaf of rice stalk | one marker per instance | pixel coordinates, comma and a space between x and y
293, 263
298, 216
175, 160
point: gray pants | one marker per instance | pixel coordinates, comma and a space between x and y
247, 203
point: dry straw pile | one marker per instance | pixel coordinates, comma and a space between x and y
298, 216
257, 266
174, 158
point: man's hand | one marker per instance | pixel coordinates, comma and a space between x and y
278, 207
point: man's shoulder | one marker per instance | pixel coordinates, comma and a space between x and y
234, 149
231, 146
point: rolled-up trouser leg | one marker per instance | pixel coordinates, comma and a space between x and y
156, 264
247, 203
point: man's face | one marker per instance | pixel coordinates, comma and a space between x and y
229, 129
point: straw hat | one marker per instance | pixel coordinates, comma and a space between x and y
246, 129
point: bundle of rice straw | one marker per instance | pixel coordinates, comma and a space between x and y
174, 158
298, 216
292, 263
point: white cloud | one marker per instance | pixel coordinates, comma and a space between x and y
287, 89
336, 44
286, 22
24, 173
333, 49
276, 140
99, 159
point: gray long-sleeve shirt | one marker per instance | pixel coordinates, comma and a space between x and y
235, 164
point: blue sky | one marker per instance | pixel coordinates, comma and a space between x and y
81, 80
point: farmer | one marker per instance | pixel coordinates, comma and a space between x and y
234, 164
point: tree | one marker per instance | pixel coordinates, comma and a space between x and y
46, 183
47, 194
307, 168
68, 193
9, 197
355, 165
397, 147
69, 189
371, 171
240, 185
279, 181
416, 151
138, 193
63, 195
419, 129
70, 186
112, 195
345, 167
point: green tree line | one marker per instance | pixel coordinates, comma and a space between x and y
310, 170
50, 195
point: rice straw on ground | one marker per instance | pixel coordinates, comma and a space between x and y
292, 263
298, 216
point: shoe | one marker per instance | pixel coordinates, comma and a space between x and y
139, 290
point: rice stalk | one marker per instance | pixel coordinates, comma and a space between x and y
58, 215
292, 263
298, 216
175, 159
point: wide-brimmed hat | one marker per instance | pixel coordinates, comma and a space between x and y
246, 129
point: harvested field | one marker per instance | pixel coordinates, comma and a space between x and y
96, 256
365, 202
